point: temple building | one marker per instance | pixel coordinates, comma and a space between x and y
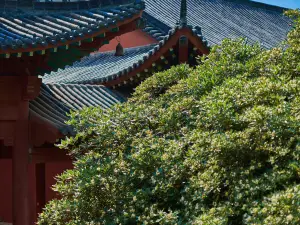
57, 56
177, 31
37, 37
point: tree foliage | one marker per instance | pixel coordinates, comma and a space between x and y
216, 144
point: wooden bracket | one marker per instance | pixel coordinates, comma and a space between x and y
31, 87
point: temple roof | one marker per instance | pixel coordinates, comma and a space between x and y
220, 19
100, 67
60, 4
104, 67
29, 30
9, 5
75, 4
56, 101
210, 20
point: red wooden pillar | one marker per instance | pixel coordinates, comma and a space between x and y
40, 182
26, 89
36, 189
183, 49
20, 167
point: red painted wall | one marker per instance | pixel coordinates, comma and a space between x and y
52, 169
5, 190
128, 40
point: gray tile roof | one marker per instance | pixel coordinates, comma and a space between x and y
220, 19
56, 100
75, 4
26, 29
104, 67
100, 67
211, 21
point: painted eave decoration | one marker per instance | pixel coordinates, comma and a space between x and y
103, 68
29, 32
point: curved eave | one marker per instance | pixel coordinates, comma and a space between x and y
108, 69
77, 96
49, 111
88, 37
193, 35
44, 130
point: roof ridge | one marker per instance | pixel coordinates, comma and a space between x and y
113, 51
183, 13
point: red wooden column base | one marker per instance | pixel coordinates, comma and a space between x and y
40, 182
20, 168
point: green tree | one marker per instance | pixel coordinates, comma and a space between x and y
216, 144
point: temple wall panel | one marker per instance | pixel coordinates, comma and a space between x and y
129, 40
6, 190
52, 169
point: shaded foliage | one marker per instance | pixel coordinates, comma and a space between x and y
217, 144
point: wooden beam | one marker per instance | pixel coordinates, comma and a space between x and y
196, 41
50, 154
183, 53
43, 130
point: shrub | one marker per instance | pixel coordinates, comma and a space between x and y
217, 144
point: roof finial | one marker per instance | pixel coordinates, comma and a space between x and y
183, 13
